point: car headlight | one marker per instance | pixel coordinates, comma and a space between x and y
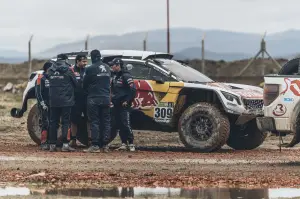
231, 97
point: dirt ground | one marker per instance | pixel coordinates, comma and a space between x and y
161, 160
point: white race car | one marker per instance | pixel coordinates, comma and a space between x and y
173, 97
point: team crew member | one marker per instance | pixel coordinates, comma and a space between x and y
80, 98
61, 97
123, 93
42, 96
97, 84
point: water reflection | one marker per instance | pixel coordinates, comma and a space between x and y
141, 192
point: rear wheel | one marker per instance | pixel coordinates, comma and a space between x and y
204, 127
34, 126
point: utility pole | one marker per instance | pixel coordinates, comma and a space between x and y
168, 27
29, 55
145, 42
203, 54
86, 42
263, 49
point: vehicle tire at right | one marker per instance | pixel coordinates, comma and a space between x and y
203, 127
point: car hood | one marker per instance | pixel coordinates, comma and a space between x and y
245, 91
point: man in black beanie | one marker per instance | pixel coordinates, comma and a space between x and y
96, 82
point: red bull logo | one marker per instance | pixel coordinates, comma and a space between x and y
145, 95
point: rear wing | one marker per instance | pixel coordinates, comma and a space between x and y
159, 56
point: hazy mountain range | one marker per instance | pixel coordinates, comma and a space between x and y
185, 44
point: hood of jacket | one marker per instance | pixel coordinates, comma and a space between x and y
60, 66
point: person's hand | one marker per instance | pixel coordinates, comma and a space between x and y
45, 108
124, 104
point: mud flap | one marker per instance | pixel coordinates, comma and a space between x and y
266, 124
243, 119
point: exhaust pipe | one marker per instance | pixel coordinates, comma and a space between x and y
16, 113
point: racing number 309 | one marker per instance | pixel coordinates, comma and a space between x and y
163, 112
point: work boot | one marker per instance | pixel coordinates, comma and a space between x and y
123, 147
73, 143
92, 149
45, 147
131, 147
105, 149
52, 148
66, 148
90, 142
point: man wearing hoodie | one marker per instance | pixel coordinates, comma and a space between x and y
42, 96
123, 94
96, 82
61, 99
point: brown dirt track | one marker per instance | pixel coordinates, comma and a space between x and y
160, 161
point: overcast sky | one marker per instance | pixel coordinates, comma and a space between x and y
56, 21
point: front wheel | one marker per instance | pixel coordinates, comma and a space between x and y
246, 136
204, 127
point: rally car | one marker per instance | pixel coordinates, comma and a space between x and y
173, 97
282, 103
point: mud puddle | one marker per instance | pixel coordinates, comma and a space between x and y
158, 192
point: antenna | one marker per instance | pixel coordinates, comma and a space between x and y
168, 27
261, 51
29, 55
203, 54
86, 42
145, 41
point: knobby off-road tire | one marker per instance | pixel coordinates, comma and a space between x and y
204, 127
34, 128
246, 137
296, 137
33, 124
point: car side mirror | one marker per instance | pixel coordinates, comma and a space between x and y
158, 79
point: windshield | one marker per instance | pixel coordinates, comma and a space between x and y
184, 72
72, 61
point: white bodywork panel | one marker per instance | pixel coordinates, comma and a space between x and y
282, 108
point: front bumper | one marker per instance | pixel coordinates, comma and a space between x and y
274, 124
266, 124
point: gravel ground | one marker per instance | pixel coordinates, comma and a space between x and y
161, 160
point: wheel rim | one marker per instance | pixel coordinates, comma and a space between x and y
201, 127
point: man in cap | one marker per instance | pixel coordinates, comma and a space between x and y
42, 96
123, 94
96, 82
79, 108
61, 99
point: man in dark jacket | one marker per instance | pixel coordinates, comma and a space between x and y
97, 84
123, 94
42, 96
61, 97
79, 108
